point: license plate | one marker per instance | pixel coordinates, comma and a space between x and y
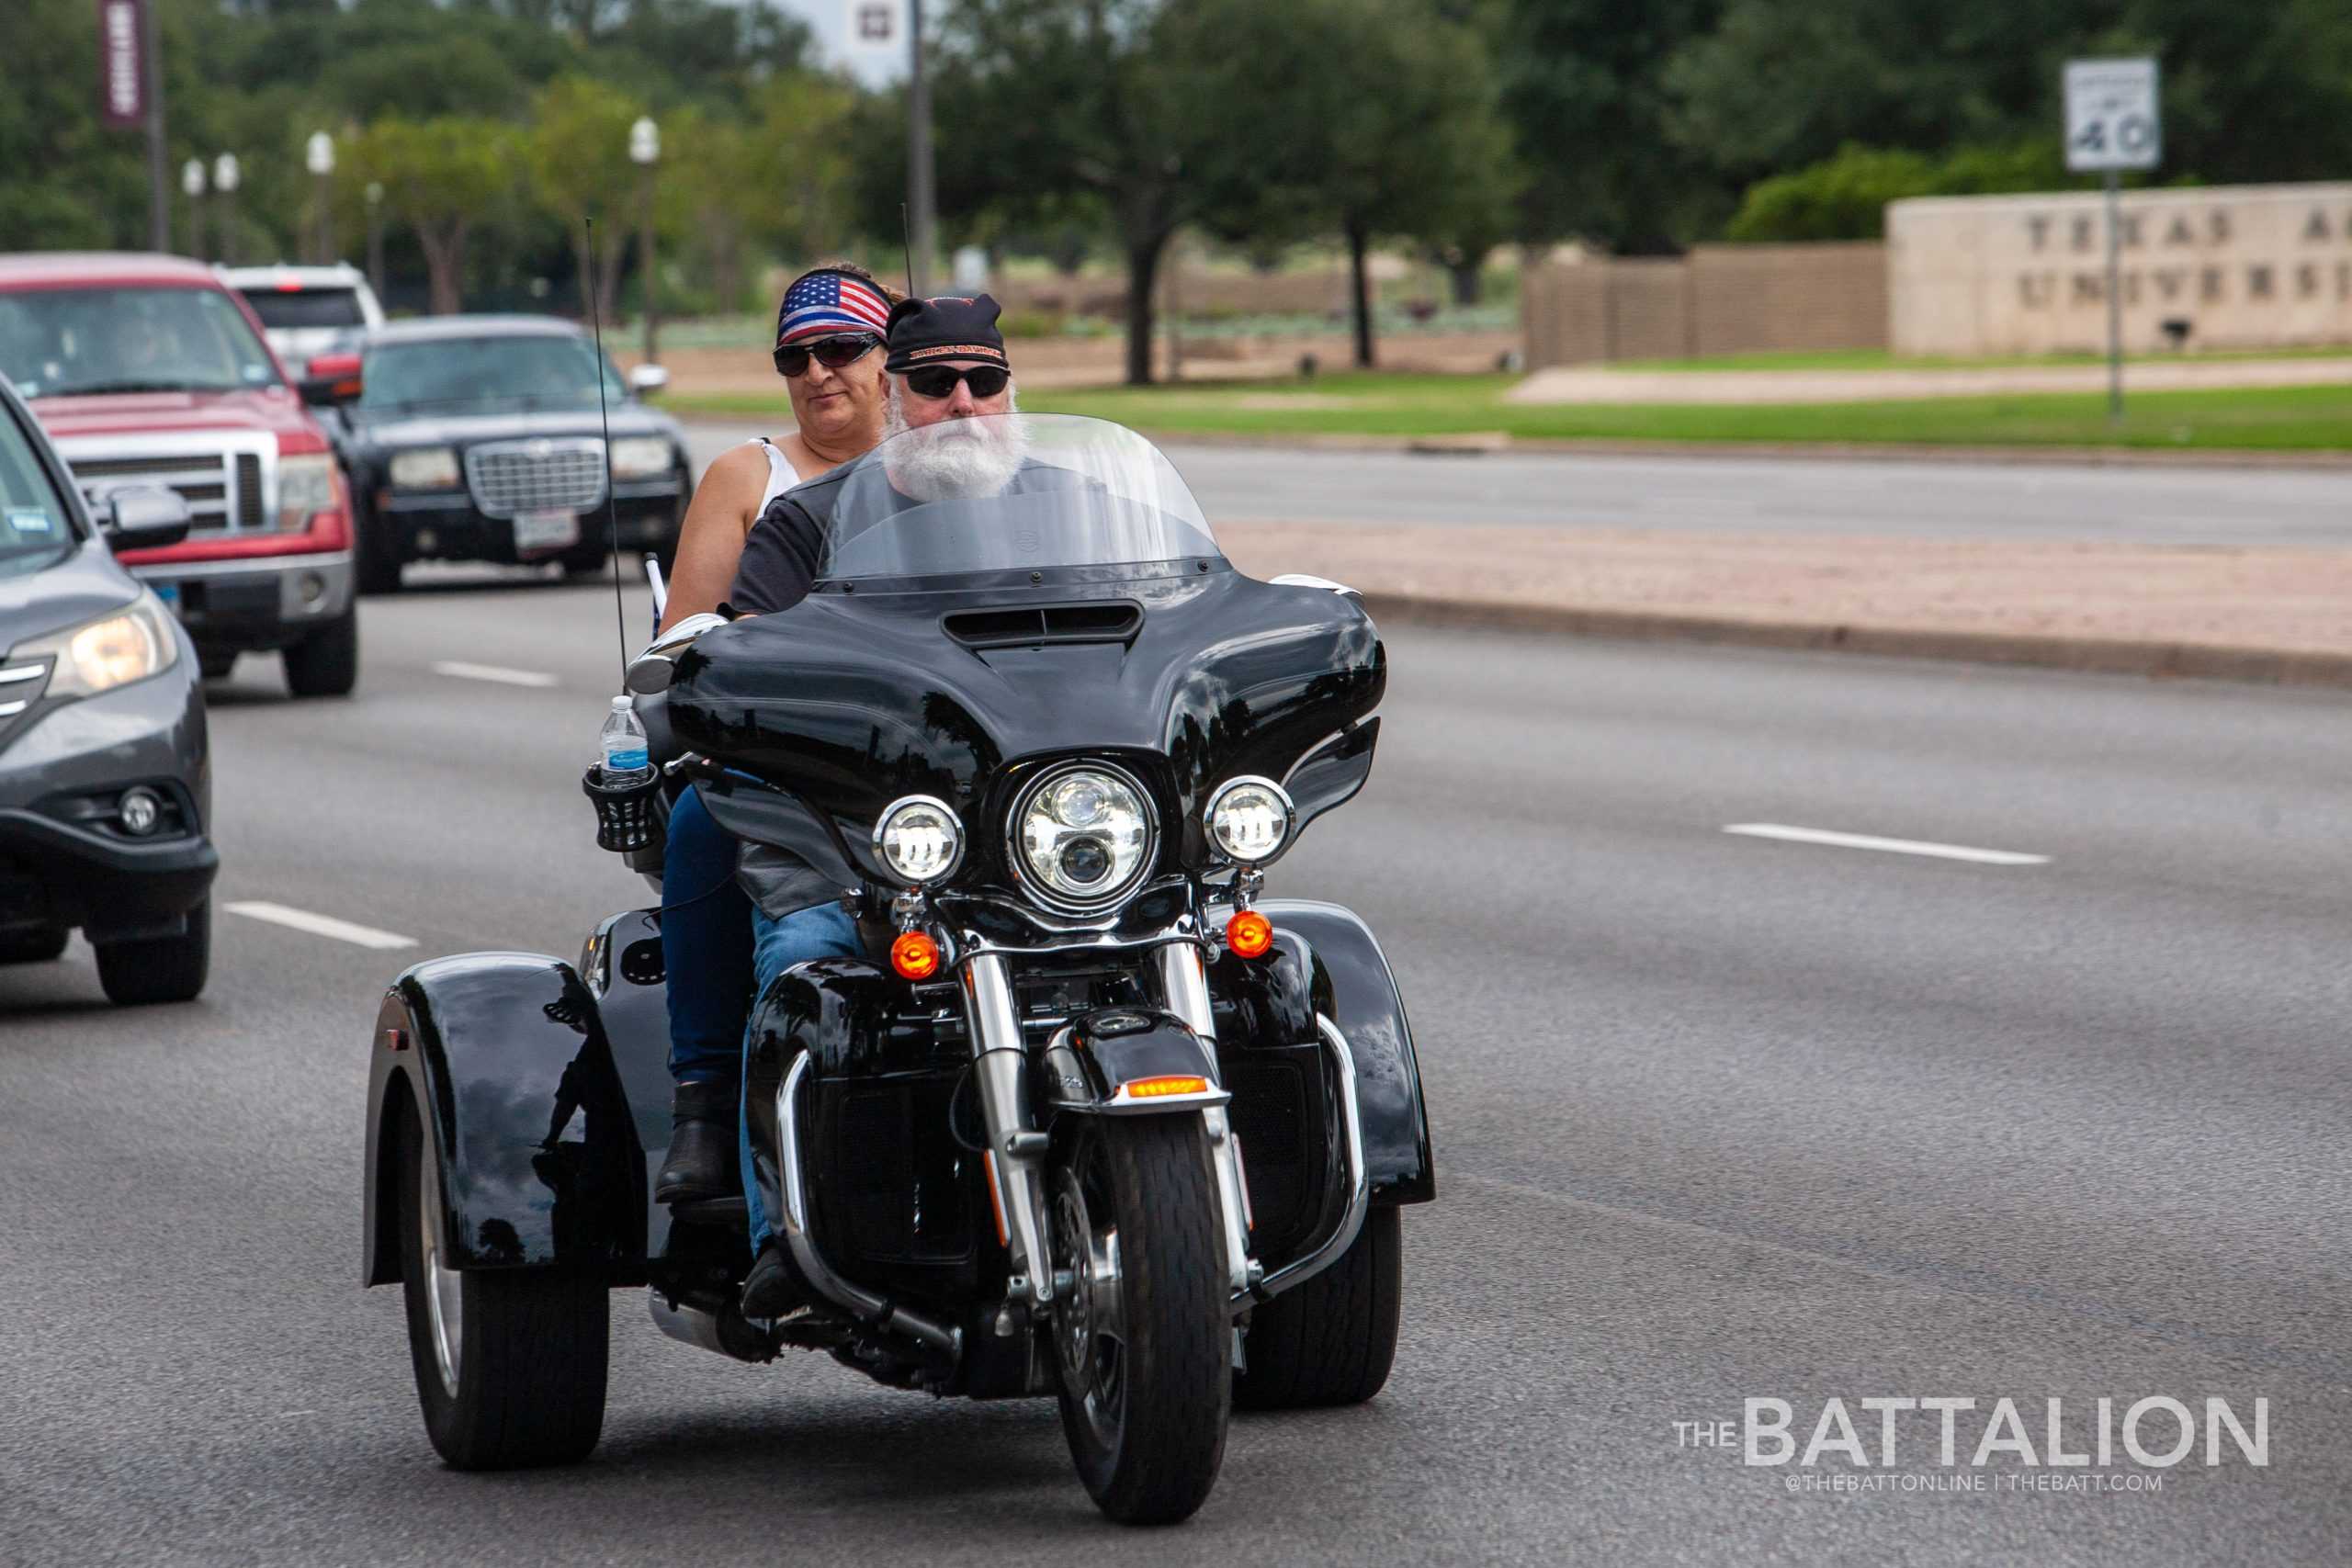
537, 530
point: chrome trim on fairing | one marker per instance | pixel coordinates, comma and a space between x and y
1343, 1235
879, 1312
1001, 1069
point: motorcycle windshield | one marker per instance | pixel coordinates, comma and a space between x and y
1011, 491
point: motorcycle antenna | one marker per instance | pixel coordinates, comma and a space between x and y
604, 418
907, 231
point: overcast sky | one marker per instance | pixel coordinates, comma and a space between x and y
831, 18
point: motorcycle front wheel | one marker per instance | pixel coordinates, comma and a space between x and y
1142, 1341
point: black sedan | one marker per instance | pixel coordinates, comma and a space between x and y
478, 438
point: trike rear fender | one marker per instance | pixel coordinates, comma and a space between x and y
536, 1095
1326, 961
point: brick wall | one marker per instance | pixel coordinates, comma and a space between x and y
1717, 300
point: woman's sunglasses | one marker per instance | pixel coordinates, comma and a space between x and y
832, 353
938, 380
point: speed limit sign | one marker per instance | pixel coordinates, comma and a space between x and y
2111, 119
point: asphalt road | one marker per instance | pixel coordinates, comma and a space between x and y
2165, 505
1718, 1117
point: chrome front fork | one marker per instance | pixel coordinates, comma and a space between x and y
1184, 981
1017, 1150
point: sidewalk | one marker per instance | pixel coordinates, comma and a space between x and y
1599, 384
2252, 613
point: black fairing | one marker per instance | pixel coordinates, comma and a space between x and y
849, 700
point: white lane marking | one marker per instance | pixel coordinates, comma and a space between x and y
494, 672
317, 925
1893, 846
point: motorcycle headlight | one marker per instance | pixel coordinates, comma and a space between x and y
1249, 820
305, 485
1082, 837
114, 650
920, 839
428, 468
640, 457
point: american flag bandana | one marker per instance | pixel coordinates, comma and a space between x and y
822, 303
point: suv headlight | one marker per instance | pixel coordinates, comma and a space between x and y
305, 486
130, 644
640, 457
1082, 837
1249, 820
920, 839
428, 468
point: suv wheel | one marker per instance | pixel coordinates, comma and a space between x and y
159, 969
326, 663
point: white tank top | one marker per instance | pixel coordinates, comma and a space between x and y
781, 477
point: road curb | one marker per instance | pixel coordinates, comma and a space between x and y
2267, 666
1481, 445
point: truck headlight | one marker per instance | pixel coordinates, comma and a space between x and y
428, 468
130, 644
1249, 820
640, 457
920, 839
1082, 837
305, 486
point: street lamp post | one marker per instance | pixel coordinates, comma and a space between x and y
192, 186
319, 157
376, 238
224, 180
645, 151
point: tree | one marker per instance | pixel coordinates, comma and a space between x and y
577, 149
1391, 132
1582, 84
1130, 101
442, 177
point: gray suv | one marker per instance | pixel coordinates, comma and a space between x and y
106, 779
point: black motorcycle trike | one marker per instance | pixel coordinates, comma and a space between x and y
1092, 1118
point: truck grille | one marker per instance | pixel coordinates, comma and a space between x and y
202, 480
508, 477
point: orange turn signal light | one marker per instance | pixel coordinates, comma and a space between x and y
1154, 1089
1250, 934
915, 956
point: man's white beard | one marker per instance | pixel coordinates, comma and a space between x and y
955, 459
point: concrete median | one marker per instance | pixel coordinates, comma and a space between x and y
2244, 613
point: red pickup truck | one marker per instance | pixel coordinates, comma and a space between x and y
149, 370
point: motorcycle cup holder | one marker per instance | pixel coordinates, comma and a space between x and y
629, 818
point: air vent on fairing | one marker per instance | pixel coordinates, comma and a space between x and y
1099, 620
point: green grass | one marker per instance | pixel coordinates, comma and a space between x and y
2277, 419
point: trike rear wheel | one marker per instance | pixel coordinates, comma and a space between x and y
510, 1364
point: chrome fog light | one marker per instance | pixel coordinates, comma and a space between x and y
1249, 820
920, 839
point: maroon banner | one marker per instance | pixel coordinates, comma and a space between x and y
122, 64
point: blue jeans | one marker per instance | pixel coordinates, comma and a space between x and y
705, 946
821, 930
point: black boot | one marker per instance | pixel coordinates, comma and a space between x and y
771, 1289
703, 1132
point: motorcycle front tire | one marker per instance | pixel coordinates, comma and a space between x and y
1149, 1440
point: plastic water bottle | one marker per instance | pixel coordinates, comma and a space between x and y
627, 760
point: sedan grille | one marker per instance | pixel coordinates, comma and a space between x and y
508, 477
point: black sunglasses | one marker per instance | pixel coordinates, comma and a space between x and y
938, 380
832, 353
